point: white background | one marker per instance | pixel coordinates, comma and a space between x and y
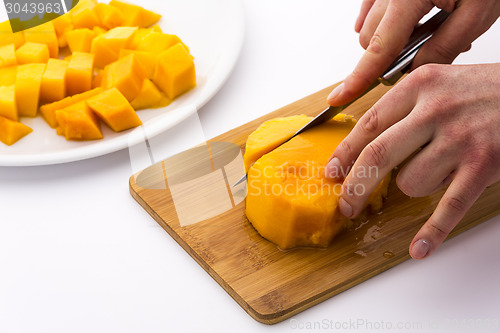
78, 254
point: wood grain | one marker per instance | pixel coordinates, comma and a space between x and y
272, 285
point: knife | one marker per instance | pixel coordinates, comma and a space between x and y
400, 66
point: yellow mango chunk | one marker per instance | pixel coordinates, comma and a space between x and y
115, 110
79, 73
141, 33
53, 86
78, 122
273, 133
8, 106
135, 16
147, 60
62, 24
8, 37
110, 17
148, 97
28, 81
175, 73
157, 42
12, 131
83, 15
48, 111
79, 40
7, 55
44, 34
126, 75
107, 46
289, 200
8, 75
32, 53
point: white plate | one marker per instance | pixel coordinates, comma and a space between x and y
214, 32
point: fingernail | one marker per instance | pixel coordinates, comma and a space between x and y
345, 208
333, 168
335, 92
420, 249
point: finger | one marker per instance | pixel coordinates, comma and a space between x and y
376, 160
365, 9
458, 198
455, 35
394, 106
388, 40
372, 21
429, 170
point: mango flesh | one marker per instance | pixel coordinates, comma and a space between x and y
79, 73
7, 55
32, 53
44, 34
78, 122
28, 82
8, 105
53, 86
12, 131
289, 200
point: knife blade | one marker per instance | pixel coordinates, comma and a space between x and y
392, 74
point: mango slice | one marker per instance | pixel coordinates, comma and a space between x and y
32, 53
28, 81
135, 16
148, 97
12, 131
175, 73
7, 37
62, 24
53, 86
114, 109
7, 55
107, 46
8, 106
48, 111
83, 15
289, 200
79, 73
147, 60
44, 34
8, 75
79, 40
110, 17
78, 122
125, 74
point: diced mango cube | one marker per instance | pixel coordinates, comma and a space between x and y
126, 75
62, 24
107, 46
147, 60
110, 17
53, 87
7, 55
97, 80
78, 122
157, 42
83, 15
12, 131
135, 16
48, 111
8, 75
8, 37
28, 81
79, 40
148, 97
8, 106
79, 73
114, 109
141, 33
32, 53
175, 71
44, 34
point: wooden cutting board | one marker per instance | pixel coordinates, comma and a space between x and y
194, 202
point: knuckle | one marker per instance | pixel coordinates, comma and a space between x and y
369, 122
424, 74
364, 40
344, 152
445, 53
379, 46
456, 204
441, 231
377, 154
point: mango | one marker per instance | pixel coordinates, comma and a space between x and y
147, 60
7, 55
107, 46
110, 17
78, 122
8, 75
140, 33
79, 73
125, 74
12, 131
53, 86
175, 72
8, 37
135, 16
79, 40
28, 81
83, 15
48, 111
157, 42
114, 109
62, 24
8, 106
148, 97
289, 200
44, 34
32, 53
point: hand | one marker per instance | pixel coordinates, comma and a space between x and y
453, 112
386, 25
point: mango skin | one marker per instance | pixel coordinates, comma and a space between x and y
289, 200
